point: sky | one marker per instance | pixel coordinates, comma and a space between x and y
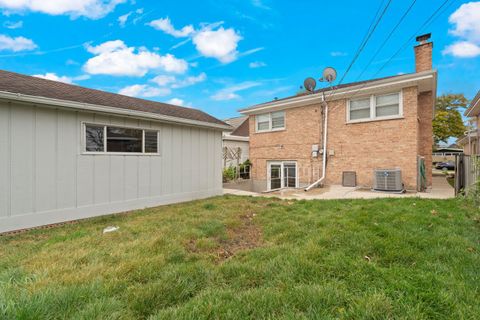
220, 56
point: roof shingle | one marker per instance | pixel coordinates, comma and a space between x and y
32, 86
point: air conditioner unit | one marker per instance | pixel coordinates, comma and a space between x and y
389, 180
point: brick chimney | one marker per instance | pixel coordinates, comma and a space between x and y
423, 53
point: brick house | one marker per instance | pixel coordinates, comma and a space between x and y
379, 123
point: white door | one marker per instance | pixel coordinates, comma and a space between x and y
282, 174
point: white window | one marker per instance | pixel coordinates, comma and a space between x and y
113, 139
263, 122
270, 121
375, 107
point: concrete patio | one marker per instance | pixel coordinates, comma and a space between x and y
440, 190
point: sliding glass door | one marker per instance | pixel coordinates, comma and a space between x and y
282, 174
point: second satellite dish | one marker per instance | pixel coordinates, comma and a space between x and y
310, 84
329, 74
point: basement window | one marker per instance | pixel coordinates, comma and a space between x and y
270, 121
375, 107
120, 140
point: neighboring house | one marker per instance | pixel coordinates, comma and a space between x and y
235, 142
68, 152
469, 142
446, 154
376, 124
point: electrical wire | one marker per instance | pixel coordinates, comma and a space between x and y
386, 39
426, 23
373, 25
362, 45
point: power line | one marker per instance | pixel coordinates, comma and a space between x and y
362, 45
425, 24
386, 39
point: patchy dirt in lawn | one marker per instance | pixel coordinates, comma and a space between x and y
245, 236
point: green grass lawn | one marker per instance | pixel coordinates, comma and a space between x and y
239, 257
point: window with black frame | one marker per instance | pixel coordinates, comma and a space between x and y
124, 140
107, 139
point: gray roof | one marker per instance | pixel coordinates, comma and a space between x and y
33, 86
235, 122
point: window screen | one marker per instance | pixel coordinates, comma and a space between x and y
387, 105
360, 109
151, 141
124, 140
263, 122
278, 120
94, 138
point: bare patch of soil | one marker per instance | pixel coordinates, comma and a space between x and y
243, 237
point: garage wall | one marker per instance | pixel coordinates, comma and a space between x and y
45, 178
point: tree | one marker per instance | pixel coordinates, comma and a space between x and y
448, 120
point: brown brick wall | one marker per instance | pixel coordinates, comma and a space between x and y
359, 147
425, 130
423, 57
293, 143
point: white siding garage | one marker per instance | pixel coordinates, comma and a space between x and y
47, 174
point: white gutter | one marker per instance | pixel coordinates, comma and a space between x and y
302, 100
467, 114
105, 109
324, 158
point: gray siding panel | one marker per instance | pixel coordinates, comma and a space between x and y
4, 160
46, 178
22, 160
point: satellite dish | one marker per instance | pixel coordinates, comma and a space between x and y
310, 84
329, 74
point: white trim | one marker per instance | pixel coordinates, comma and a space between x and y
282, 164
270, 122
338, 93
471, 108
105, 151
373, 108
229, 137
109, 110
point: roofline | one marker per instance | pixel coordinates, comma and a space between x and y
235, 138
317, 97
473, 105
111, 110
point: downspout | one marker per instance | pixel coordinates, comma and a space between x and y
325, 129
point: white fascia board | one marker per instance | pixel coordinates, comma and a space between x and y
235, 138
401, 81
468, 112
105, 109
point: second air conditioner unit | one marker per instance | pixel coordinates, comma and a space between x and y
389, 180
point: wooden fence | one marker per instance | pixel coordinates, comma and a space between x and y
467, 173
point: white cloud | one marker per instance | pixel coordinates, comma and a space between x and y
257, 64
338, 54
466, 21
54, 77
163, 80
176, 101
115, 58
209, 41
463, 49
143, 90
230, 93
165, 25
122, 20
220, 44
16, 44
93, 9
190, 81
260, 4
13, 25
